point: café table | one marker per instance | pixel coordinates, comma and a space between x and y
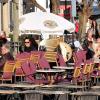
71, 64
92, 95
50, 73
21, 85
95, 88
63, 67
69, 70
48, 93
65, 86
10, 94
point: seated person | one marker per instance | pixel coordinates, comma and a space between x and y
5, 55
28, 45
76, 45
96, 48
90, 51
3, 38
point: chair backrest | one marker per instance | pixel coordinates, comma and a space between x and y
88, 66
9, 66
23, 56
79, 56
77, 72
43, 63
91, 68
8, 70
51, 56
29, 69
50, 44
61, 61
35, 56
18, 69
17, 64
85, 69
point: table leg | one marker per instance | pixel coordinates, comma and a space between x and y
50, 79
30, 97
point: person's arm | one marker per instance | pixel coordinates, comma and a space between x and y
2, 62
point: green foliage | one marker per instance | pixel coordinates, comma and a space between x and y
11, 37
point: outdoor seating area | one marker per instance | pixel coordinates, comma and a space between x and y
32, 74
50, 50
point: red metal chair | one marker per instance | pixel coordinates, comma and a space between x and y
29, 70
61, 61
20, 58
8, 71
35, 57
79, 56
43, 63
23, 55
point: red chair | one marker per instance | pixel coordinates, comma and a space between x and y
87, 70
35, 57
43, 63
75, 78
96, 73
79, 56
8, 71
20, 58
61, 60
18, 70
29, 70
23, 55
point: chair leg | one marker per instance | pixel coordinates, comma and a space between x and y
14, 97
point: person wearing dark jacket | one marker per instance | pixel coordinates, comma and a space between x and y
28, 45
3, 38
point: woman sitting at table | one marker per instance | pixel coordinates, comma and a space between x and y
28, 45
88, 44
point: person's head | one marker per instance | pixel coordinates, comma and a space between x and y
27, 42
94, 24
5, 48
2, 34
98, 40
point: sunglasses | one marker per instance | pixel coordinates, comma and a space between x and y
27, 42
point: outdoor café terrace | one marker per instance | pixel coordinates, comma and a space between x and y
30, 77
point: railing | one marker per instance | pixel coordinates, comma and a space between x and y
14, 47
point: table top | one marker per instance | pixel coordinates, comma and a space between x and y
95, 87
53, 92
71, 64
63, 67
8, 91
45, 92
86, 93
50, 70
65, 86
20, 85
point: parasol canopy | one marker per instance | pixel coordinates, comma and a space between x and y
44, 22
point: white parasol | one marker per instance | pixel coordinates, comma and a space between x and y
44, 22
